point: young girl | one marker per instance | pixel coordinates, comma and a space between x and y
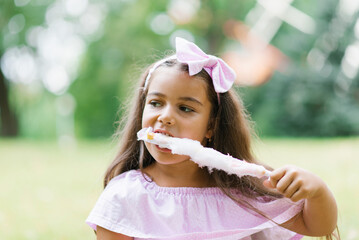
151, 193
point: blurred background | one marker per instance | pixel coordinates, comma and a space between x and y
68, 67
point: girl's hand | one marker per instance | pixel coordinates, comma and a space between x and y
296, 183
319, 214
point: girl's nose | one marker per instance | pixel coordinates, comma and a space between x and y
166, 117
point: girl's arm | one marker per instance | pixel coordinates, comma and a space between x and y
104, 234
319, 215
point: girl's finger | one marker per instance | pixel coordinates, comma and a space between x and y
291, 189
276, 175
298, 195
284, 183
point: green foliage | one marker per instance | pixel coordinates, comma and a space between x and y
33, 15
303, 104
302, 101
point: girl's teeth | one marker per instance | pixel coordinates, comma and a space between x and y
166, 134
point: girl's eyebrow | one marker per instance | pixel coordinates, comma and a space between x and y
156, 94
191, 99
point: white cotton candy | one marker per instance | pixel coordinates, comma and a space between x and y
185, 146
147, 135
203, 156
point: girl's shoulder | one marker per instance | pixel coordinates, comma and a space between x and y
124, 181
124, 186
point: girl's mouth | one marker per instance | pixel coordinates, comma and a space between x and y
163, 149
165, 133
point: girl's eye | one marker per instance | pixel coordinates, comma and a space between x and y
186, 109
155, 103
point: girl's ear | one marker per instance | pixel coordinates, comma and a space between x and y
209, 133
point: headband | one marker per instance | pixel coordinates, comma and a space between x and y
189, 53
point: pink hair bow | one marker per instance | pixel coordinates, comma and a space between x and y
222, 75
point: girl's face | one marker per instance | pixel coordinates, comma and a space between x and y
177, 105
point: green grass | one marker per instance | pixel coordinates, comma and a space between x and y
47, 191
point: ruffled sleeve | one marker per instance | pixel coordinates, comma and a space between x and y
115, 209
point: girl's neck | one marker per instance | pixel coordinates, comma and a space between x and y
179, 175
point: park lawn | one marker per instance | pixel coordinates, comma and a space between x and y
47, 191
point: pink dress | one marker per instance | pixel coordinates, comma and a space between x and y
133, 206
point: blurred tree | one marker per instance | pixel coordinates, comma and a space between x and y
15, 18
314, 97
8, 119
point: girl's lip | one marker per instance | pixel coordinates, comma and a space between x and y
163, 149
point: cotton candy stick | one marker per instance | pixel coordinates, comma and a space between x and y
203, 156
